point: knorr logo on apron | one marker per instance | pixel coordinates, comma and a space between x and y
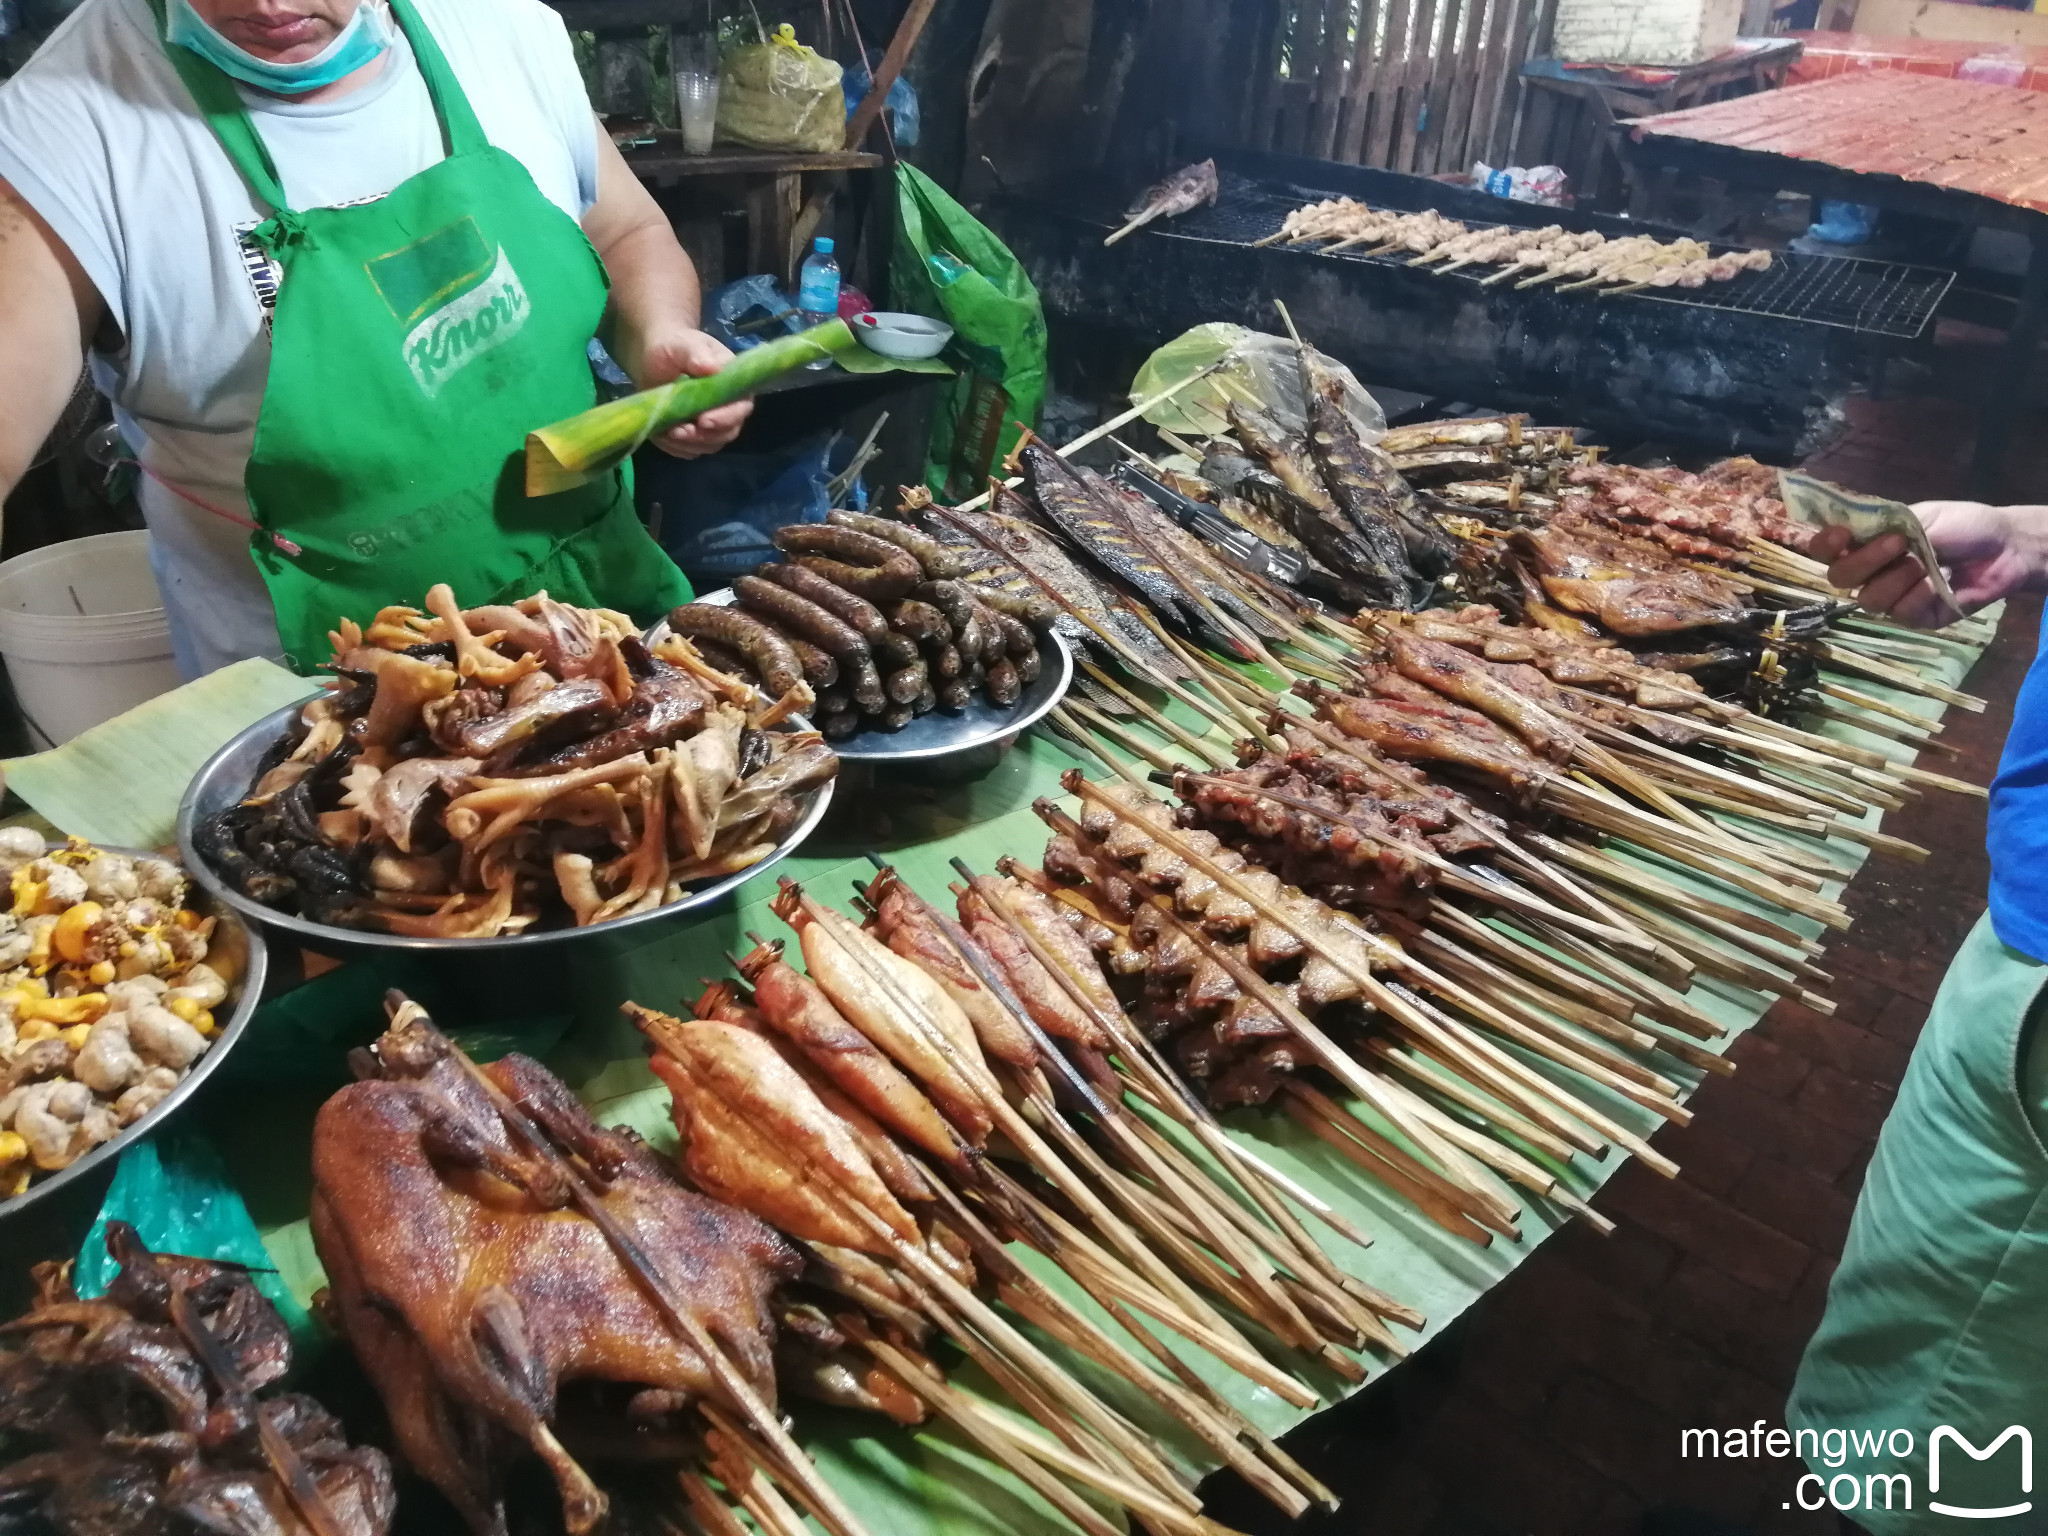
458, 297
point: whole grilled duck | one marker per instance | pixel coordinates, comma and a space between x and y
472, 1295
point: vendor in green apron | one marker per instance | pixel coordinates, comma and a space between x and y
332, 260
1932, 1359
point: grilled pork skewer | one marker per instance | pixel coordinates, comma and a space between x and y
1547, 253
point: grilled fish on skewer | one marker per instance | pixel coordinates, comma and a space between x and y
1363, 481
1186, 189
1097, 525
1374, 555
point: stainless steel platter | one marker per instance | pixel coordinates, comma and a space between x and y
941, 732
227, 775
248, 994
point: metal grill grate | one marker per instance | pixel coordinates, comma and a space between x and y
1880, 298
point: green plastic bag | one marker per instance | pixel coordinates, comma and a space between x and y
174, 1190
949, 266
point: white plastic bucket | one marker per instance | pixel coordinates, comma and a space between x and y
83, 632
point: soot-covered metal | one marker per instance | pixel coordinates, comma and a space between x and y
1758, 368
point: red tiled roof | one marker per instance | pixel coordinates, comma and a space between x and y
1988, 139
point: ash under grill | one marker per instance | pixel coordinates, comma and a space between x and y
1878, 298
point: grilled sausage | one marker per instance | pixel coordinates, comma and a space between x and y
859, 615
764, 648
895, 651
935, 558
839, 727
920, 621
950, 597
1003, 684
953, 693
803, 618
864, 565
1027, 665
1031, 607
896, 716
727, 660
865, 684
820, 670
945, 661
995, 640
834, 701
1018, 640
904, 685
927, 699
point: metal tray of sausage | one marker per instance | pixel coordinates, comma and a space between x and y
942, 732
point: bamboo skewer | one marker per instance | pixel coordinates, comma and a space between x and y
1617, 930
1049, 1376
1127, 1039
1117, 1028
1116, 764
1205, 749
1389, 1000
1901, 678
1024, 1136
1114, 424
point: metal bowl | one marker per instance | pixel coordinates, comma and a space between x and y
940, 733
250, 993
226, 778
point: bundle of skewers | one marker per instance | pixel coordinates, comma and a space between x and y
1534, 257
1539, 818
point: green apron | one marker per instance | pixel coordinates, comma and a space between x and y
417, 340
1938, 1315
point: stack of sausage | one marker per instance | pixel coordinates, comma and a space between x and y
873, 615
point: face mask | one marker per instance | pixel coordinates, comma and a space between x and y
365, 37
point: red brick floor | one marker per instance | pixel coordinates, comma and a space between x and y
1554, 1407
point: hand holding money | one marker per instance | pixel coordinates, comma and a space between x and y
1991, 552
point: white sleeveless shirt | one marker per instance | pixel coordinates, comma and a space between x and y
99, 135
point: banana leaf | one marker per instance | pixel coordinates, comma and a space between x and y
573, 452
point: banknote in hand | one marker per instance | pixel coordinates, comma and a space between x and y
1821, 505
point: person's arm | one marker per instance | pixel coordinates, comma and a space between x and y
654, 310
48, 307
1990, 552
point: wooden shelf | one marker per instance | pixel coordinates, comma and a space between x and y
664, 163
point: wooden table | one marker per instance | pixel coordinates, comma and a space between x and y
769, 183
1948, 149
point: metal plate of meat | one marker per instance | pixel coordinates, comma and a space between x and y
226, 778
941, 733
249, 992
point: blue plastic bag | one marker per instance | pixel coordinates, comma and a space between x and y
1844, 223
900, 103
750, 310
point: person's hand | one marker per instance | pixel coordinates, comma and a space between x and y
696, 354
1990, 552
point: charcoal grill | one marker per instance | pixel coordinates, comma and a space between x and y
1879, 298
1758, 364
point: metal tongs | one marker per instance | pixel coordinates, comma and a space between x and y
1246, 551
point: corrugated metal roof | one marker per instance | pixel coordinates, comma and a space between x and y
1988, 139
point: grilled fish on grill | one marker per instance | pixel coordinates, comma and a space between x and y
1187, 188
1097, 525
1014, 527
1363, 481
1377, 569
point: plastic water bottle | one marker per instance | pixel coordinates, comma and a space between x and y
817, 293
